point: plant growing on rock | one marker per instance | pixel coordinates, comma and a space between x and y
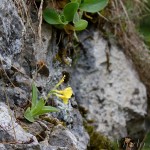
38, 107
70, 16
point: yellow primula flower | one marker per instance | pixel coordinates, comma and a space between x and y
64, 94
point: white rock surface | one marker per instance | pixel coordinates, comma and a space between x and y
9, 125
111, 96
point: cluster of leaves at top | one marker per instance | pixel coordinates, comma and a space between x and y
71, 15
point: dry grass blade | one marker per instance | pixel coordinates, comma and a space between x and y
124, 9
23, 11
40, 13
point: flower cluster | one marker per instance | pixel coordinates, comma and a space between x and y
65, 94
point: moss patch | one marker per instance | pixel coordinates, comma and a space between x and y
97, 140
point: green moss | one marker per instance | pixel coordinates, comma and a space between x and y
97, 140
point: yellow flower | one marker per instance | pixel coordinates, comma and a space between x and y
64, 94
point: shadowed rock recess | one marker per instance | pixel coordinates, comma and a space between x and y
104, 81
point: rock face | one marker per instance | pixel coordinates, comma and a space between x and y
13, 133
11, 28
107, 87
20, 55
104, 81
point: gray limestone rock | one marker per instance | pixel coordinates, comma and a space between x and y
107, 86
11, 32
63, 138
12, 132
20, 54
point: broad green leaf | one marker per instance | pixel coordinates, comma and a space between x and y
79, 1
76, 18
28, 115
34, 95
51, 16
93, 5
39, 106
81, 25
47, 109
69, 10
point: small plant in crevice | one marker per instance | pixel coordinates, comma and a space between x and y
38, 106
70, 17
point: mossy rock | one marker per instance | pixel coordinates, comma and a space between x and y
97, 140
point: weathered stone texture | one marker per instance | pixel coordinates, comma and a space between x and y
107, 86
20, 55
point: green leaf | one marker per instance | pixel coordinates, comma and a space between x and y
47, 109
63, 19
81, 25
28, 115
76, 18
51, 16
93, 5
79, 1
146, 144
34, 95
39, 106
69, 10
